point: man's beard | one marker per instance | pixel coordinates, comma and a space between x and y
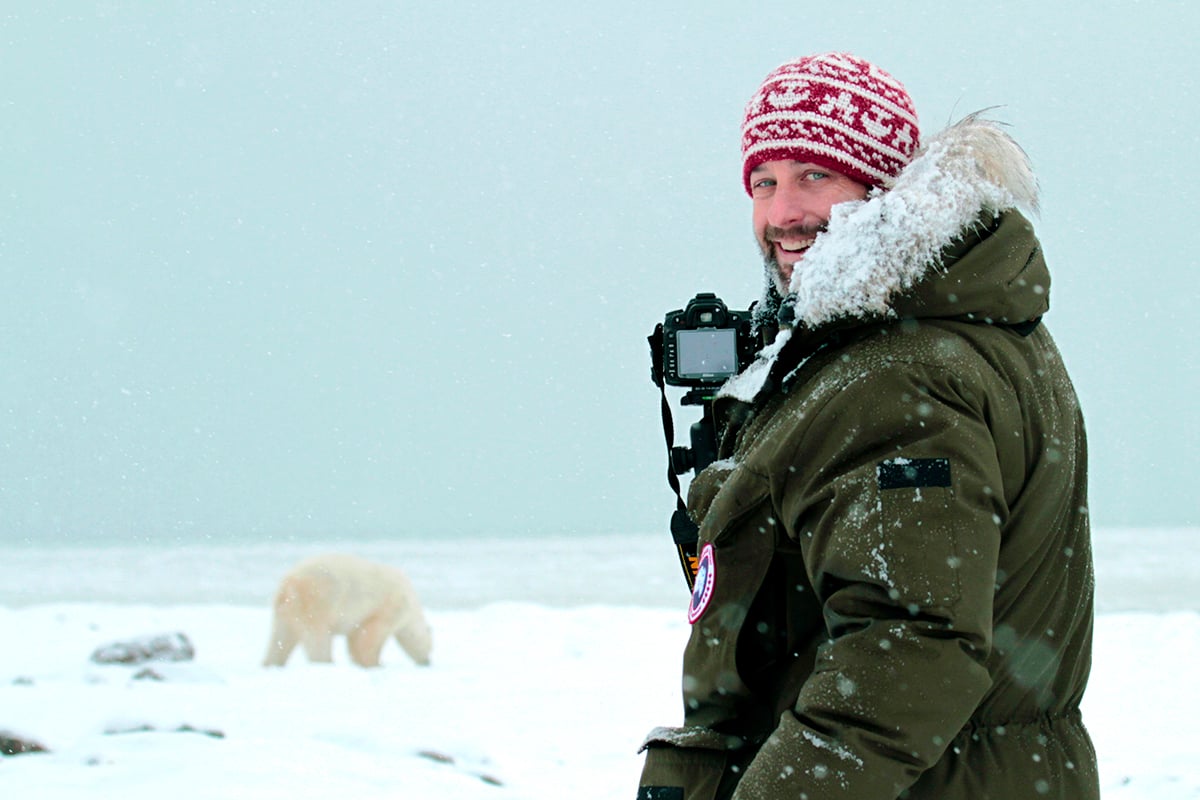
770, 235
771, 269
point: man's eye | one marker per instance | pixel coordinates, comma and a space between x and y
765, 183
815, 176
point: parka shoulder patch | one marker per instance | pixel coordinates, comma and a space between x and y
660, 793
706, 577
913, 473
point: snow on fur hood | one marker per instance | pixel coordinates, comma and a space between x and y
876, 248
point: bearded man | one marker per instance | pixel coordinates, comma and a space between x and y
895, 533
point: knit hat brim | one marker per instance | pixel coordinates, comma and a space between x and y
805, 152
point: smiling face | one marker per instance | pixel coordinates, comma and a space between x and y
792, 201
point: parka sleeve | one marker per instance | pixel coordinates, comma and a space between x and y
893, 492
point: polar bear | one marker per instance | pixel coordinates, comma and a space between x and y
338, 594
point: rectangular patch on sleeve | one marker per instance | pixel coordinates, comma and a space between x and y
660, 793
913, 473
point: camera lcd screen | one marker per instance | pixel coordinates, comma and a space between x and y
707, 352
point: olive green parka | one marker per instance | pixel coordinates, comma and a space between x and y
896, 595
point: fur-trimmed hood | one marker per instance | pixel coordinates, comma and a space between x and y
881, 257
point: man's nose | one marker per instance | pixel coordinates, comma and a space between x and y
787, 207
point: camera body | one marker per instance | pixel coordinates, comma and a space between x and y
705, 343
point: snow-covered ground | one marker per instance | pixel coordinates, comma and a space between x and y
552, 658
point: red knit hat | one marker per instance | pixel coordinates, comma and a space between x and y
835, 110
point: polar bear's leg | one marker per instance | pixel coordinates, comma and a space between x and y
366, 641
283, 640
318, 645
286, 620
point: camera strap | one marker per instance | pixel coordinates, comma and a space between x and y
684, 531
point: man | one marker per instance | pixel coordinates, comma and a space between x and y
895, 540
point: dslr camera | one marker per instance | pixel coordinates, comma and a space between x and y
705, 343
699, 347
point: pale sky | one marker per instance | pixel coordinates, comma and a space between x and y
281, 269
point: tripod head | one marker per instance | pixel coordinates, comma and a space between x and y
703, 436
